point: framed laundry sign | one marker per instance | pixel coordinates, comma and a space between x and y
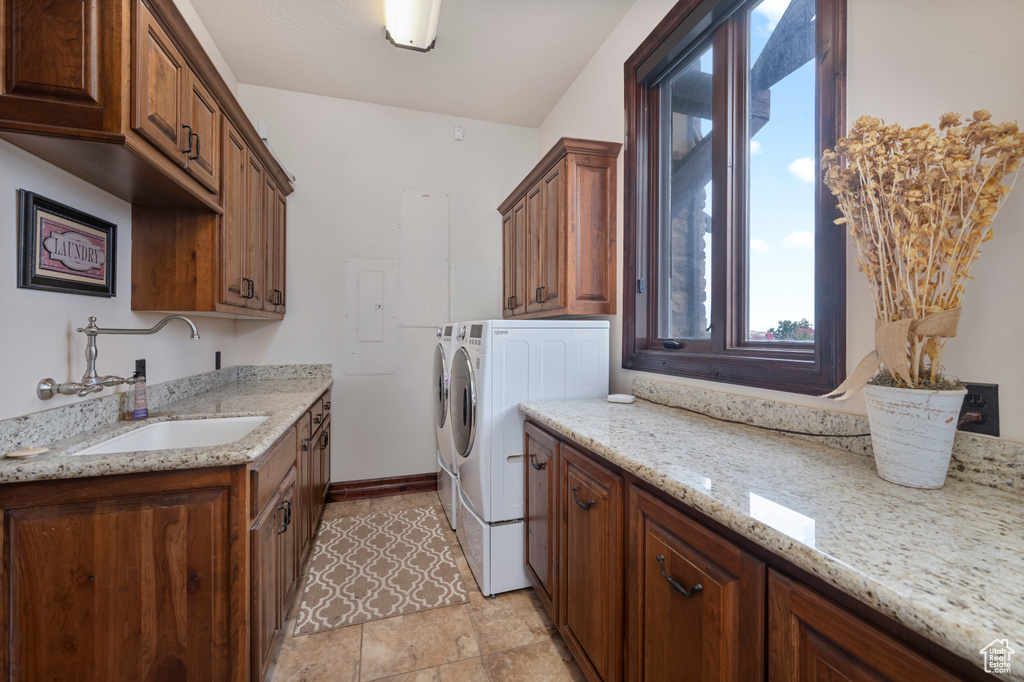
63, 249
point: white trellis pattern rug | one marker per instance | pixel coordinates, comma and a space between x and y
375, 566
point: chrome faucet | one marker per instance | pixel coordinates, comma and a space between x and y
91, 381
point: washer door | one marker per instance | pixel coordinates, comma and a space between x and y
440, 387
463, 402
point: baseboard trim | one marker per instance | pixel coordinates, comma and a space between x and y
343, 491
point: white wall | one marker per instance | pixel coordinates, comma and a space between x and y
908, 62
352, 159
199, 29
39, 331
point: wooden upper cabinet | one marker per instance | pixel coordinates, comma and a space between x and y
519, 239
542, 515
54, 80
274, 255
234, 224
533, 252
696, 600
254, 188
202, 124
508, 260
552, 239
103, 88
565, 262
590, 564
811, 639
159, 80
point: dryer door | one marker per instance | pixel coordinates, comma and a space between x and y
463, 402
440, 386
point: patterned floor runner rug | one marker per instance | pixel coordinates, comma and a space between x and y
376, 566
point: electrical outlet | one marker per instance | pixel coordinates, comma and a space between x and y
981, 399
140, 368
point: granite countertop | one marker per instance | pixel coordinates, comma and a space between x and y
282, 400
946, 563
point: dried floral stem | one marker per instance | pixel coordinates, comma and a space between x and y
919, 203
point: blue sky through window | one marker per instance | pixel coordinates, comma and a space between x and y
783, 181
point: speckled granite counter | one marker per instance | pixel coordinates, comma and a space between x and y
282, 400
947, 563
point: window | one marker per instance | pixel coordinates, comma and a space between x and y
736, 269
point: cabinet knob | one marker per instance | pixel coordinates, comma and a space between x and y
676, 586
584, 506
538, 467
324, 440
318, 418
193, 584
327, 406
305, 444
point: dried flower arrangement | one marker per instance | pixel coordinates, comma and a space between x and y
919, 203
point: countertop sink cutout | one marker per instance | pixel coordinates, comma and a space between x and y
183, 433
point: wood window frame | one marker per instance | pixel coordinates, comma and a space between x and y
729, 358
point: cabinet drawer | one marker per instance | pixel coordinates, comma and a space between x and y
271, 469
811, 638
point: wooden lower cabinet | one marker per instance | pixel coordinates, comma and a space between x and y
618, 567
123, 578
541, 504
696, 600
812, 639
273, 567
590, 554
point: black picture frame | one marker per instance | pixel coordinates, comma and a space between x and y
63, 249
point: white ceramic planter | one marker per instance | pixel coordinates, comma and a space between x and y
912, 433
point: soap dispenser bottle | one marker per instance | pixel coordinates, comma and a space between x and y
140, 410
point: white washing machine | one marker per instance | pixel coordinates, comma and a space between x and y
447, 479
497, 365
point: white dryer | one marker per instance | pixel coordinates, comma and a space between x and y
497, 365
447, 478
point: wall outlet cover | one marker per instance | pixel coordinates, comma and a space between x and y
982, 398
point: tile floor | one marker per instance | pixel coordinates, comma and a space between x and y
506, 639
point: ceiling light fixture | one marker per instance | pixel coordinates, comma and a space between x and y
412, 24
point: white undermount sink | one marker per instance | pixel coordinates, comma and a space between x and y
184, 433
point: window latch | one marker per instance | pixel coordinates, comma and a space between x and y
640, 286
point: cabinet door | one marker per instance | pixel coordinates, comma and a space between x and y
325, 471
508, 263
541, 512
255, 254
811, 639
202, 116
277, 254
57, 59
159, 75
534, 263
519, 258
551, 238
234, 223
133, 588
696, 600
288, 537
307, 452
269, 229
265, 577
591, 576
